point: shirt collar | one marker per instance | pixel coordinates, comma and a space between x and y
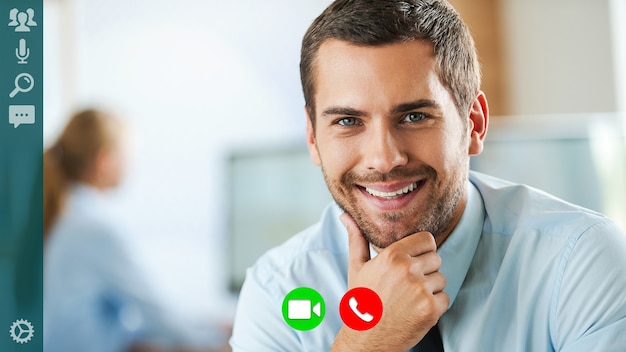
458, 250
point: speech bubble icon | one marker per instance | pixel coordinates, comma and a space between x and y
21, 115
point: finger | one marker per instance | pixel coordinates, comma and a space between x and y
426, 263
435, 282
357, 245
433, 307
442, 300
416, 244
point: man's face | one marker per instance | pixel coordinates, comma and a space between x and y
393, 149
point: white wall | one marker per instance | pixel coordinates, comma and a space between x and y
560, 56
617, 9
193, 78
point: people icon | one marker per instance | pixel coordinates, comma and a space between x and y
22, 21
31, 15
13, 17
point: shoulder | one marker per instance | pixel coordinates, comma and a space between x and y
88, 229
323, 245
589, 304
512, 207
88, 214
571, 256
315, 258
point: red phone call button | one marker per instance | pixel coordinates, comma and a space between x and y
361, 308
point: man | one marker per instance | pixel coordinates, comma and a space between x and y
394, 107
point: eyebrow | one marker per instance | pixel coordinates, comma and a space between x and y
400, 108
414, 105
338, 110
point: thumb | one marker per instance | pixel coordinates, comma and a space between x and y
357, 245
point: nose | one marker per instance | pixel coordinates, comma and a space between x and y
384, 149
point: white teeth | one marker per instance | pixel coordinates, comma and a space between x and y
394, 194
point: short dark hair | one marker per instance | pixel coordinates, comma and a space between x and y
381, 22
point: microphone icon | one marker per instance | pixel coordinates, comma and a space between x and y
22, 52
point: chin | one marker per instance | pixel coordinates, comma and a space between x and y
383, 233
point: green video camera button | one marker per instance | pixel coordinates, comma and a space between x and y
303, 308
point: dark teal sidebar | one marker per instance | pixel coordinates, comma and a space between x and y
21, 175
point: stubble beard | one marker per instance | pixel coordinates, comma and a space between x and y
435, 215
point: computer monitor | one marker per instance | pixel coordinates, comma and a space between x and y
274, 193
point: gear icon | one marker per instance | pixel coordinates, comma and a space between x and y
22, 331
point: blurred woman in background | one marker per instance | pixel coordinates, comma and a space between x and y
94, 297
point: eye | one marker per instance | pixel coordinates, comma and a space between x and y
347, 121
414, 117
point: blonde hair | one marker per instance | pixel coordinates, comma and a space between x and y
69, 159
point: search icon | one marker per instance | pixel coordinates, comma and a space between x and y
23, 88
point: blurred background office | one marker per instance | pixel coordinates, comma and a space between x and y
213, 90
96, 298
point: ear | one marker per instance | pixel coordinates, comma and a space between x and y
97, 168
478, 123
100, 161
310, 139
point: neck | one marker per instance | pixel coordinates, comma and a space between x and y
458, 213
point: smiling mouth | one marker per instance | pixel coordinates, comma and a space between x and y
394, 194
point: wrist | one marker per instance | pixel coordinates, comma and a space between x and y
348, 340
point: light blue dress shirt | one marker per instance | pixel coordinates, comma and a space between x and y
525, 272
95, 297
